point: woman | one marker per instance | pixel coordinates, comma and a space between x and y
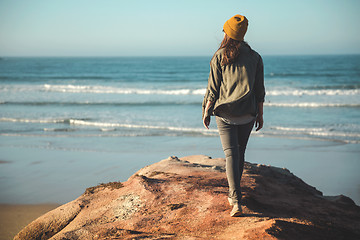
235, 95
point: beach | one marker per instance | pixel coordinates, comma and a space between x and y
15, 217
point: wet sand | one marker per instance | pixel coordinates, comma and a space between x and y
15, 217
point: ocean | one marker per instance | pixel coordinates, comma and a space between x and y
68, 120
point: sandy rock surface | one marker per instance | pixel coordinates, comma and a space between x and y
186, 198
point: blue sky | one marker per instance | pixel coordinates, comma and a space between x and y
174, 28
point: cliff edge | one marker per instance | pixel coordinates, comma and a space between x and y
186, 198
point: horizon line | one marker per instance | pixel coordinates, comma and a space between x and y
155, 56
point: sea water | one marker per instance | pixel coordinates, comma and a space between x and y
101, 119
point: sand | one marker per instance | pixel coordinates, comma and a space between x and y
15, 217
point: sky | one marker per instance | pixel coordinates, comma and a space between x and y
175, 27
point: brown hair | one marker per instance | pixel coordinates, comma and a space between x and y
232, 49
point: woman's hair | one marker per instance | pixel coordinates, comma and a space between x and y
231, 49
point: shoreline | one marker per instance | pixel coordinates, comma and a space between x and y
14, 217
29, 175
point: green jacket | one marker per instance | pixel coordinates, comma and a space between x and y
236, 88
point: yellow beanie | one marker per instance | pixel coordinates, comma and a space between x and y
236, 27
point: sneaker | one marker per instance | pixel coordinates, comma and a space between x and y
236, 211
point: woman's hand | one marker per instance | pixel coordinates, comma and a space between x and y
259, 122
206, 121
259, 118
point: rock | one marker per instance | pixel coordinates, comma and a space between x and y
186, 198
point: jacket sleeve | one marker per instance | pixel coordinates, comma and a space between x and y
259, 82
213, 87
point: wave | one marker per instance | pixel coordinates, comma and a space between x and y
322, 92
174, 103
324, 133
32, 120
103, 125
87, 103
185, 91
27, 120
311, 105
342, 87
307, 74
99, 89
87, 127
42, 78
300, 74
117, 90
108, 126
181, 91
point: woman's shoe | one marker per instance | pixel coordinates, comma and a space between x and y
236, 211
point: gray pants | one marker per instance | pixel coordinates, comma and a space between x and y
234, 139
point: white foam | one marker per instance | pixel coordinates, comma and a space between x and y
323, 132
104, 125
310, 104
25, 120
199, 91
111, 127
118, 90
184, 91
301, 92
107, 129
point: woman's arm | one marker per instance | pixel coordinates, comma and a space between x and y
206, 117
259, 93
212, 91
259, 118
